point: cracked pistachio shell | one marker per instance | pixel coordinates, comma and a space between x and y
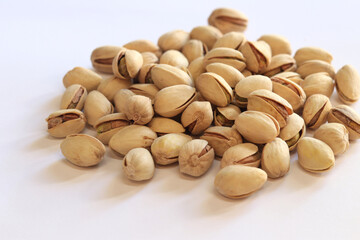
73, 97
265, 101
196, 68
290, 91
232, 40
294, 130
227, 56
348, 117
278, 44
312, 53
138, 165
207, 34
316, 110
194, 49
197, 117
165, 149
85, 77
142, 46
174, 58
214, 89
164, 75
108, 125
257, 127
64, 122
221, 138
82, 150
121, 99
112, 85
315, 155
257, 55
275, 158
144, 75
315, 66
149, 58
228, 20
96, 106
280, 63
127, 64
347, 81
318, 83
173, 40
145, 89
241, 154
102, 58
239, 181
163, 126
139, 109
196, 157
293, 76
335, 135
248, 85
130, 137
173, 100
225, 116
230, 74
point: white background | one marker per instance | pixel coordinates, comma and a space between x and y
42, 196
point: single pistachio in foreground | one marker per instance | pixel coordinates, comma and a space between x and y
275, 158
138, 165
65, 122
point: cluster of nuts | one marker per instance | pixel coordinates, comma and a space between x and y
208, 93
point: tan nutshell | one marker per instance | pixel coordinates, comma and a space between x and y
275, 158
194, 49
257, 55
347, 81
143, 45
149, 58
315, 66
65, 122
293, 76
225, 116
127, 64
121, 100
280, 63
294, 130
232, 40
74, 97
144, 75
109, 87
108, 125
227, 56
173, 40
207, 34
241, 154
348, 117
96, 106
138, 165
277, 43
139, 109
85, 77
318, 83
162, 126
312, 53
230, 74
174, 58
164, 75
335, 135
196, 68
102, 58
197, 117
227, 20
145, 89
316, 110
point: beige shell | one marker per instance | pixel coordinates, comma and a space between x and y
257, 127
294, 130
275, 158
142, 46
348, 84
65, 122
173, 100
225, 116
280, 63
257, 55
230, 74
110, 124
312, 53
348, 117
139, 109
277, 43
74, 97
194, 49
82, 150
315, 66
127, 64
149, 58
196, 68
239, 181
102, 58
315, 155
227, 56
232, 40
246, 73
318, 83
293, 76
121, 99
174, 58
85, 77
228, 19
173, 40
165, 149
144, 75
164, 75
316, 110
96, 106
197, 117
335, 135
207, 34
138, 165
145, 89
112, 85
163, 126
241, 154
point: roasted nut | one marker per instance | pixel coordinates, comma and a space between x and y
174, 58
112, 85
127, 64
230, 74
196, 68
64, 122
242, 154
194, 49
85, 77
96, 106
149, 58
293, 76
275, 158
312, 53
142, 46
207, 34
227, 56
318, 83
257, 55
348, 117
139, 109
315, 66
197, 117
144, 75
294, 130
227, 20
278, 44
225, 116
335, 135
246, 73
108, 125
163, 126
347, 81
164, 75
145, 89
121, 100
102, 58
280, 63
74, 97
316, 109
232, 40
138, 165
173, 40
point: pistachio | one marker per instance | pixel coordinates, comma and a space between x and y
293, 76
280, 63
142, 46
318, 83
227, 56
347, 81
257, 54
64, 122
139, 109
174, 58
173, 40
149, 58
348, 117
144, 75
102, 58
312, 53
207, 34
108, 125
145, 89
127, 64
74, 97
315, 155
82, 150
225, 116
316, 110
121, 100
96, 106
238, 181
138, 165
246, 73
197, 117
194, 49
164, 75
232, 40
335, 135
315, 66
230, 74
112, 85
275, 158
163, 126
257, 127
242, 154
196, 68
85, 77
294, 130
165, 149
227, 20
278, 44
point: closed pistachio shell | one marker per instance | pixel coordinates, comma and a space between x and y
85, 77
144, 75
280, 63
64, 122
315, 155
108, 125
121, 99
149, 58
173, 40
335, 135
96, 106
316, 110
227, 20
348, 84
196, 68
102, 58
348, 117
207, 34
194, 49
112, 85
197, 117
318, 83
293, 76
294, 130
139, 109
82, 150
238, 181
174, 58
315, 66
164, 75
127, 64
230, 74
277, 43
142, 46
145, 89
138, 165
227, 56
242, 154
232, 40
312, 53
163, 126
74, 97
257, 55
225, 116
275, 158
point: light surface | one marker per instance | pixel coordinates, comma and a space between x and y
42, 196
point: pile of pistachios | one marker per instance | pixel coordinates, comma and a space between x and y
209, 93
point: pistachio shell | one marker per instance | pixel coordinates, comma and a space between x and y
257, 55
74, 97
227, 20
275, 158
110, 124
293, 76
294, 130
318, 83
348, 84
145, 89
227, 56
194, 49
142, 46
207, 34
173, 40
348, 117
230, 74
102, 58
96, 106
246, 73
335, 135
121, 99
65, 122
174, 58
312, 53
197, 117
162, 126
242, 154
149, 58
315, 66
225, 116
144, 75
316, 110
164, 75
85, 77
277, 43
196, 68
127, 64
112, 85
280, 63
139, 109
138, 165
232, 40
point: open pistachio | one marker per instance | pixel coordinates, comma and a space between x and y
230, 74
121, 99
315, 66
280, 63
335, 135
96, 106
149, 58
257, 54
227, 56
82, 150
278, 44
207, 34
244, 154
275, 158
138, 165
265, 101
197, 117
127, 64
318, 83
194, 49
196, 68
85, 77
145, 89
227, 20
214, 89
239, 181
163, 126
164, 75
294, 130
165, 149
315, 155
64, 122
225, 116
102, 58
112, 85
142, 46
74, 97
221, 138
139, 109
348, 117
144, 75
347, 81
174, 58
108, 125
316, 110
257, 127
293, 76
232, 40
173, 40
312, 53
171, 101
